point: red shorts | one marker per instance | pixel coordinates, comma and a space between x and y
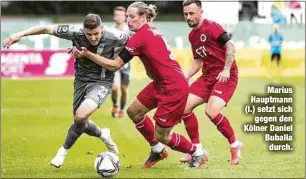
170, 104
205, 87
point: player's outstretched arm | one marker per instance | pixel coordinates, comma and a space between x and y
36, 30
112, 65
196, 66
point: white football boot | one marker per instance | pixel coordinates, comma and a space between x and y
107, 139
58, 160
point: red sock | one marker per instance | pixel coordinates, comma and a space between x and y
224, 127
181, 144
146, 128
192, 127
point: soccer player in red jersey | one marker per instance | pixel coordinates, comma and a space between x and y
167, 92
212, 49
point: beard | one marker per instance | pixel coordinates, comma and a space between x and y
192, 24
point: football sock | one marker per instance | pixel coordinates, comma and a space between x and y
146, 128
123, 100
181, 144
74, 132
157, 148
114, 97
192, 127
224, 127
235, 144
92, 129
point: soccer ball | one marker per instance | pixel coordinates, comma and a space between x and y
107, 164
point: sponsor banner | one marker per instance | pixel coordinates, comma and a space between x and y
32, 63
59, 64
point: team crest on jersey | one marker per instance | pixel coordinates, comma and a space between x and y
203, 38
62, 29
100, 48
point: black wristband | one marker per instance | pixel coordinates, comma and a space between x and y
125, 55
224, 38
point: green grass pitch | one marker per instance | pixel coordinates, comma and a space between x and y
35, 116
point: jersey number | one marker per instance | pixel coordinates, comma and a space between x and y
102, 92
201, 51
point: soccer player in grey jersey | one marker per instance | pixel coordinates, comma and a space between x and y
92, 83
123, 75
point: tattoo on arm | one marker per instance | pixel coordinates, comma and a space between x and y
229, 55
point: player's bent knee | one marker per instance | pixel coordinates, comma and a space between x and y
188, 109
87, 107
133, 114
211, 112
130, 112
80, 117
192, 102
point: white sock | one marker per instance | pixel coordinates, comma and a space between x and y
235, 144
63, 151
199, 145
199, 151
157, 148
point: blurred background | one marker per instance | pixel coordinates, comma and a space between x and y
250, 24
35, 112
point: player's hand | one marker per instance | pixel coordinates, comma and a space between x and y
78, 53
223, 76
10, 41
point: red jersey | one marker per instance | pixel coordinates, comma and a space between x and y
152, 49
205, 46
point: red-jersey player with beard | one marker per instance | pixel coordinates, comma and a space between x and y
215, 53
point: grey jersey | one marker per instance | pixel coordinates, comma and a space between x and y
85, 69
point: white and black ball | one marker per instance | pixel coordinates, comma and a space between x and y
107, 164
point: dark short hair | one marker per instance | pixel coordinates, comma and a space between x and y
119, 8
92, 21
188, 2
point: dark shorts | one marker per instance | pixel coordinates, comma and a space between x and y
122, 78
276, 56
97, 91
170, 105
206, 87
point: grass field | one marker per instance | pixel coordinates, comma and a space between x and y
36, 114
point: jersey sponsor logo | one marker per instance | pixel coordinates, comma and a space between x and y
201, 51
62, 29
100, 48
203, 38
